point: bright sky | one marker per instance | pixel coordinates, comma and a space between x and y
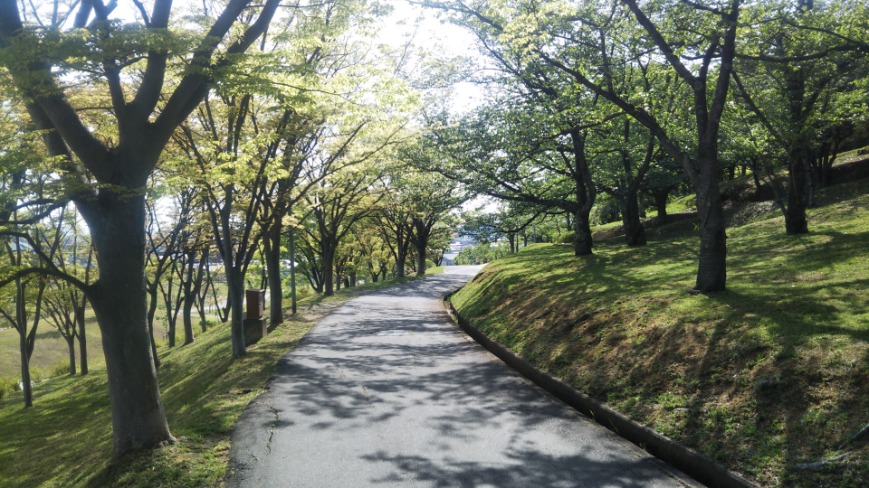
436, 35
406, 20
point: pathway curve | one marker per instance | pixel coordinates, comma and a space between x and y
387, 391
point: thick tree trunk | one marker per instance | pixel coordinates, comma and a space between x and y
400, 264
635, 234
661, 197
712, 269
421, 245
583, 242
118, 300
795, 215
328, 270
585, 197
272, 251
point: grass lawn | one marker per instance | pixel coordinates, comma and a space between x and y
65, 439
50, 352
764, 377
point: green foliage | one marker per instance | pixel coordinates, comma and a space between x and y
482, 253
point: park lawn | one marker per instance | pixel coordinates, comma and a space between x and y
50, 355
763, 377
65, 439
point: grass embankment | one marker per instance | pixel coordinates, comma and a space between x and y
65, 439
764, 377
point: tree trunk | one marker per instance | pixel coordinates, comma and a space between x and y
82, 340
293, 270
152, 312
272, 251
118, 300
585, 196
188, 319
399, 266
795, 216
70, 345
328, 270
712, 269
661, 197
191, 284
421, 245
26, 388
583, 242
635, 234
171, 314
235, 286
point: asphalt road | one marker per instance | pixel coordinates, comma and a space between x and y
388, 392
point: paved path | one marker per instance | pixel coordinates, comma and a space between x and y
386, 391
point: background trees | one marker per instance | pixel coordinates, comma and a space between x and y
584, 78
798, 74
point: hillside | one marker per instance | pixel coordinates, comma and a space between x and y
768, 377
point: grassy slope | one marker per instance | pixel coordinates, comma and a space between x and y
766, 375
65, 440
50, 352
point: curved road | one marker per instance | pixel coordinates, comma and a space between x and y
388, 392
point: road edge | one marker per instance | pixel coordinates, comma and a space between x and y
700, 467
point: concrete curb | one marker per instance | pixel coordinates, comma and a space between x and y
696, 465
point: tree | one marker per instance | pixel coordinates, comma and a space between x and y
797, 74
233, 157
429, 199
111, 55
509, 221
63, 303
333, 207
625, 175
696, 41
523, 154
393, 218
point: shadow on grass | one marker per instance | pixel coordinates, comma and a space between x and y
763, 376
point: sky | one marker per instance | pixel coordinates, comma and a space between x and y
407, 19
437, 35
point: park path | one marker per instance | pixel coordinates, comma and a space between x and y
387, 391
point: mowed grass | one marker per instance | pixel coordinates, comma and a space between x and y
65, 439
769, 375
50, 352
